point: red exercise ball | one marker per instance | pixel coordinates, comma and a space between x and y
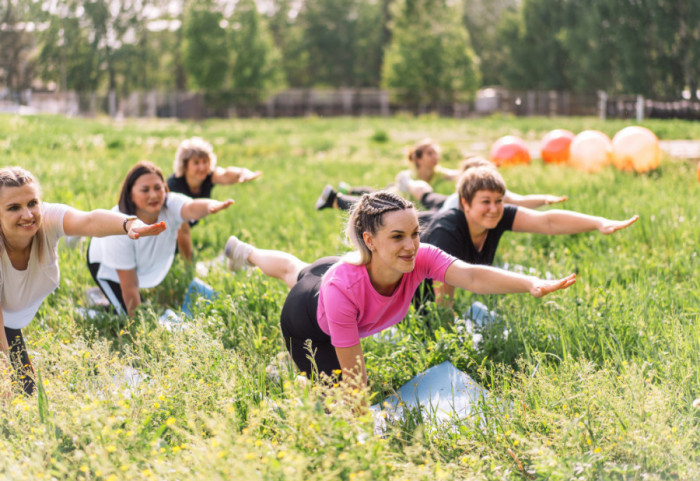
555, 146
510, 150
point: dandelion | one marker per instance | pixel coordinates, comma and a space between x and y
84, 468
170, 421
111, 449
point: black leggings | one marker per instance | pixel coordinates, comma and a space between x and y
302, 336
112, 290
19, 357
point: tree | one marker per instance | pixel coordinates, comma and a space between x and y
430, 59
206, 50
16, 44
482, 19
257, 66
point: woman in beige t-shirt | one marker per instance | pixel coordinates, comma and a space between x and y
29, 234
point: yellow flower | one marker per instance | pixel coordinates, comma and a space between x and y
111, 449
337, 372
170, 421
84, 468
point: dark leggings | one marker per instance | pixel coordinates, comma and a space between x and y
302, 336
19, 357
433, 200
112, 290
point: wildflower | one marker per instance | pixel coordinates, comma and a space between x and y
170, 421
696, 403
111, 449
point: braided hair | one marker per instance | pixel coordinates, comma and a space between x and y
367, 216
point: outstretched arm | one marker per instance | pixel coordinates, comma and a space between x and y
565, 222
234, 175
447, 173
198, 208
100, 223
532, 201
489, 280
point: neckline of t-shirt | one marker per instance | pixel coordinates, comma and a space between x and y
377, 293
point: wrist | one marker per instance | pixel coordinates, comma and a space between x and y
127, 220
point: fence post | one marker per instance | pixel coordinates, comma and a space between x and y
112, 103
640, 108
384, 103
602, 104
553, 111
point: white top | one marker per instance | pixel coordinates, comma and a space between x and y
22, 292
151, 256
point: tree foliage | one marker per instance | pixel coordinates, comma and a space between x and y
433, 50
430, 58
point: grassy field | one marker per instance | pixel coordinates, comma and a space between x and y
598, 381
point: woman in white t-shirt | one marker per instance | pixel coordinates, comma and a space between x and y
29, 234
121, 266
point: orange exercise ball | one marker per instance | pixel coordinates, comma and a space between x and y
510, 150
636, 148
555, 146
590, 151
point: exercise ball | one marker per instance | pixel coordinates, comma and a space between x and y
636, 148
555, 146
510, 150
590, 151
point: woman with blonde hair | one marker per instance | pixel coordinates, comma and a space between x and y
335, 301
195, 173
29, 233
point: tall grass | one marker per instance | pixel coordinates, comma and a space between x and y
598, 380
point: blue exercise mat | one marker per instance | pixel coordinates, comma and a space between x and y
442, 393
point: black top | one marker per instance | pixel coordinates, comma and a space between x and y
449, 231
179, 184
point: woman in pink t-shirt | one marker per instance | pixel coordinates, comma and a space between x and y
335, 302
29, 233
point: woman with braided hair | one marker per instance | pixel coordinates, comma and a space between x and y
337, 300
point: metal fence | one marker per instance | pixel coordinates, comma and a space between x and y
341, 102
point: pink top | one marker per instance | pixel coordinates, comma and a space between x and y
349, 308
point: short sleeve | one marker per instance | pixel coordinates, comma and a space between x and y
509, 212
175, 203
53, 220
433, 262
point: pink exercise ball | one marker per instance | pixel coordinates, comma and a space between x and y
636, 148
555, 146
510, 150
590, 151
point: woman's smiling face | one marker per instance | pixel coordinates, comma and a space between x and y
20, 211
394, 246
148, 195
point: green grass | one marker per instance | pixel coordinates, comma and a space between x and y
598, 381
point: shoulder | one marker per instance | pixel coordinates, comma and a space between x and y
446, 220
176, 183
